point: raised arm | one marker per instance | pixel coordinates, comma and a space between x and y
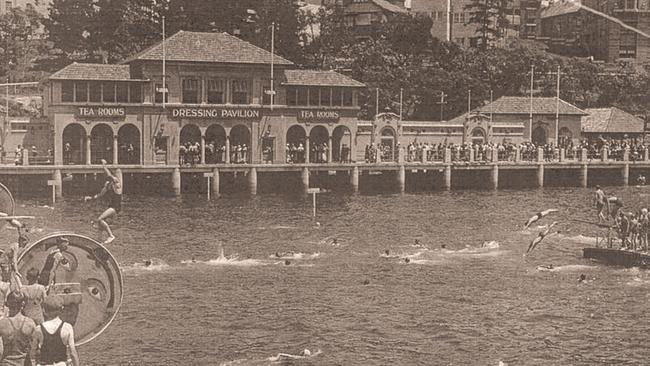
108, 172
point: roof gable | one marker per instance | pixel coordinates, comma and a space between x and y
86, 71
611, 120
208, 47
561, 8
522, 105
319, 78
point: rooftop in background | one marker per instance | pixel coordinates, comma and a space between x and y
319, 78
561, 7
84, 71
521, 105
207, 47
611, 120
367, 6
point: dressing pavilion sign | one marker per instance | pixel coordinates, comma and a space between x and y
215, 113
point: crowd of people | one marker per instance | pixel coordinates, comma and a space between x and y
215, 153
318, 153
631, 227
31, 328
506, 151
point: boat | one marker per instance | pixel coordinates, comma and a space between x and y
618, 257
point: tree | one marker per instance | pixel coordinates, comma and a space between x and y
20, 41
324, 36
72, 30
490, 18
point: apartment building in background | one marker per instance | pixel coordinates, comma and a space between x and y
524, 18
572, 28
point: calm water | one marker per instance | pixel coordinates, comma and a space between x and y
463, 305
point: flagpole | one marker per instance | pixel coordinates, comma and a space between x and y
557, 110
164, 75
469, 102
376, 102
491, 106
401, 98
272, 61
532, 81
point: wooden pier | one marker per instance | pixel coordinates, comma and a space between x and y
446, 173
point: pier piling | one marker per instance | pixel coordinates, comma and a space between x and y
540, 175
495, 176
58, 187
447, 177
252, 181
583, 176
215, 182
176, 181
354, 179
304, 175
625, 174
401, 178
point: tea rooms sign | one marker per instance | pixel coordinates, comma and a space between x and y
309, 115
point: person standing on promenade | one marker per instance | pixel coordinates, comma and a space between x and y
18, 333
55, 338
113, 191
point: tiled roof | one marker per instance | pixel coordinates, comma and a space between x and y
82, 71
611, 120
521, 105
372, 5
208, 47
562, 7
388, 6
319, 78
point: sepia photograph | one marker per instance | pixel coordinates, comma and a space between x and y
324, 182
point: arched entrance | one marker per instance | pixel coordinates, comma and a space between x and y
341, 144
190, 145
215, 144
296, 137
387, 144
101, 144
478, 136
318, 144
566, 136
128, 143
539, 136
74, 148
240, 144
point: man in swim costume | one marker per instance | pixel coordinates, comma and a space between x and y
112, 191
538, 216
55, 258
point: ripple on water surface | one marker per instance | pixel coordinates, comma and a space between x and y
465, 303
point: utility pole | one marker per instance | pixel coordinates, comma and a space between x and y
532, 81
442, 103
557, 110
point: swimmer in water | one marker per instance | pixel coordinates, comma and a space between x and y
147, 263
582, 278
387, 252
538, 216
540, 237
407, 260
